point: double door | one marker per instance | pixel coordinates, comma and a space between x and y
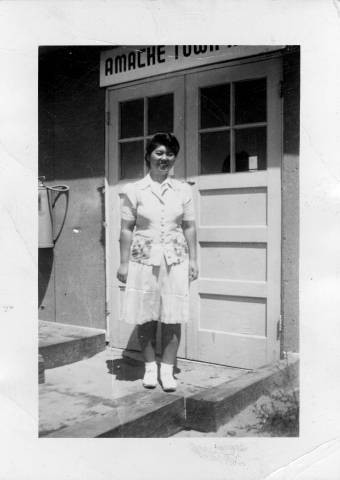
228, 123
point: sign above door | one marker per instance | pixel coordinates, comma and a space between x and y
127, 63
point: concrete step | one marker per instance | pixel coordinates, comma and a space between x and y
208, 410
61, 344
144, 414
99, 406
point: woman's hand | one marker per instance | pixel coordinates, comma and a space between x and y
193, 270
122, 272
189, 230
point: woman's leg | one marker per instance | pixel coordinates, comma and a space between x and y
171, 336
147, 339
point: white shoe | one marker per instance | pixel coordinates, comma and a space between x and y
150, 376
169, 383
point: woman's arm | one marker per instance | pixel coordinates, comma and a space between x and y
189, 230
125, 239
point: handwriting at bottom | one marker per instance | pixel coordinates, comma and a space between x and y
6, 308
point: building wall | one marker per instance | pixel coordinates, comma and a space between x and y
290, 199
72, 152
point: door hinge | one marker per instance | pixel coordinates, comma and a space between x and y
279, 328
108, 118
107, 311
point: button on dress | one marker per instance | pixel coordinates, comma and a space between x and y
158, 278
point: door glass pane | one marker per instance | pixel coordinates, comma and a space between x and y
215, 106
251, 149
215, 152
250, 101
132, 118
161, 114
131, 159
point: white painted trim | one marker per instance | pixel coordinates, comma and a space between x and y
233, 287
214, 66
236, 180
274, 220
170, 58
251, 234
106, 220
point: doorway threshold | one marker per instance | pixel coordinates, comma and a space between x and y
137, 356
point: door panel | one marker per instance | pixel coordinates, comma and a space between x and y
233, 206
240, 261
231, 314
235, 304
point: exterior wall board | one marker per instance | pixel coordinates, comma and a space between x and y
79, 257
290, 201
72, 152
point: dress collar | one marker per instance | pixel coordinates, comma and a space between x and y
148, 182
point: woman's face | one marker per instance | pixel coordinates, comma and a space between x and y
161, 160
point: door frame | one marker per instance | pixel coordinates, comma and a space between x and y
109, 275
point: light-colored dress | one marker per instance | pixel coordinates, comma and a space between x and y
158, 283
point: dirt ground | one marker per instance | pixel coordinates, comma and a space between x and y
272, 415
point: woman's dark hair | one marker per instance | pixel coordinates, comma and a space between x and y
167, 139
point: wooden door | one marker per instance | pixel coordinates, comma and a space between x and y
136, 113
233, 137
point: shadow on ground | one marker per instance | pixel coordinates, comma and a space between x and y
127, 369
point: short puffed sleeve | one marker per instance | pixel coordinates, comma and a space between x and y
188, 203
128, 202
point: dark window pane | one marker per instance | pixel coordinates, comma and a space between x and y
131, 159
250, 101
215, 106
161, 114
215, 152
132, 118
250, 149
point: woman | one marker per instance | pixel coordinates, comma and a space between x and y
158, 257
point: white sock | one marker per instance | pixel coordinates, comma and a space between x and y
167, 378
150, 365
167, 370
150, 375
